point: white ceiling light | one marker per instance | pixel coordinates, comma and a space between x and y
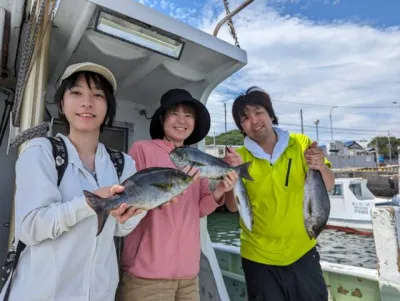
137, 33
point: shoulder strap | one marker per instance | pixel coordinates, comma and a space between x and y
117, 159
60, 155
8, 268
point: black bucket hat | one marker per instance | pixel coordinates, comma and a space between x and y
172, 98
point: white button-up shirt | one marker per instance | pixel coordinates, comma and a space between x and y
64, 259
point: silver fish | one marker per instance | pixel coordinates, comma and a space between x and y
316, 204
209, 166
243, 204
215, 168
146, 189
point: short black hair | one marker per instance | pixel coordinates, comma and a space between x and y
100, 83
256, 98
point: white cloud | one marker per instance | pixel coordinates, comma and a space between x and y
300, 61
150, 3
184, 14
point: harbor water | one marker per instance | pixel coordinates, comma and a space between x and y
334, 246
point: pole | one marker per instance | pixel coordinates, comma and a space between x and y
230, 15
377, 153
330, 118
301, 119
32, 107
214, 143
316, 122
226, 136
398, 169
390, 149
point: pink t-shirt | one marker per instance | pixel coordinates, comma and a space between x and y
166, 243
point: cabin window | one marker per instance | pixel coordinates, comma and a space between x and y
113, 137
337, 190
356, 190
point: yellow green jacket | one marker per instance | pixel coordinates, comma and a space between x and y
276, 196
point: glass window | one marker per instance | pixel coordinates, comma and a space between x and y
337, 190
356, 189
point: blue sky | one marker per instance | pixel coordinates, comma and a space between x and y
382, 13
311, 55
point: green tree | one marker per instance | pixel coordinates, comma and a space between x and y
383, 145
233, 137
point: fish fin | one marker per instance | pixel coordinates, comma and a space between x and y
129, 184
98, 204
165, 187
243, 171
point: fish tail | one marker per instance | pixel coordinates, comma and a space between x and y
98, 204
243, 171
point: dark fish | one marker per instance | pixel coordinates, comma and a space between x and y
209, 166
146, 189
316, 204
215, 168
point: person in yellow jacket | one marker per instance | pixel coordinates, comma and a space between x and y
280, 261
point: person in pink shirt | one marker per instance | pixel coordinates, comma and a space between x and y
161, 257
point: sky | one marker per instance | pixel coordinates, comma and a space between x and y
338, 58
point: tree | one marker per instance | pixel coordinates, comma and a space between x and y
383, 145
233, 137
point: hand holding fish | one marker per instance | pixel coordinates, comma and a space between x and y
315, 157
226, 184
232, 157
190, 171
229, 172
121, 214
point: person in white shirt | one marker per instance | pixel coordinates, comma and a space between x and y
64, 260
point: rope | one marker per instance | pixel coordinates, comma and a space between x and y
29, 54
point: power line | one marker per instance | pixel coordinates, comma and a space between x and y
313, 126
339, 106
324, 129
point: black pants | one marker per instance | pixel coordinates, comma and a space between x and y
300, 281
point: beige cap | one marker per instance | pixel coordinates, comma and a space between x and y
87, 66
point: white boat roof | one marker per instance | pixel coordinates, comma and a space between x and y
142, 75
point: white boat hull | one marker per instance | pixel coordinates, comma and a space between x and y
362, 227
351, 205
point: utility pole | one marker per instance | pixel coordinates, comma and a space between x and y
330, 117
301, 119
214, 143
398, 169
377, 153
226, 136
390, 149
316, 122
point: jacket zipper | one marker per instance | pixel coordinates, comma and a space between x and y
288, 172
